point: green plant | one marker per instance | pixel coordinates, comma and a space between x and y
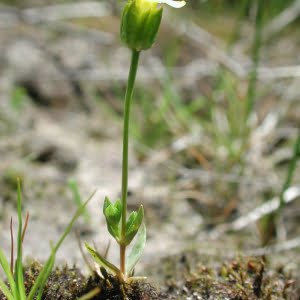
139, 27
16, 288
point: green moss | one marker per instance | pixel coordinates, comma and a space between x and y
245, 278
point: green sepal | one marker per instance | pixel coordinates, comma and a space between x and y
99, 259
113, 213
133, 224
140, 24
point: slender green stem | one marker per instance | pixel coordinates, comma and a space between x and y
287, 183
291, 171
128, 96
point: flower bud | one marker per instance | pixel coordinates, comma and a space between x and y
140, 23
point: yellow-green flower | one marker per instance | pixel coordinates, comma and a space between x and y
141, 20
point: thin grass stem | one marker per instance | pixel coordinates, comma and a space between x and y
19, 262
291, 172
11, 247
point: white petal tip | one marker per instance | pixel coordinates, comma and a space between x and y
173, 3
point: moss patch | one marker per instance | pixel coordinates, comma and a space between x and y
69, 284
241, 279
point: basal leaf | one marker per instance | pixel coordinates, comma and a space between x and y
137, 249
102, 261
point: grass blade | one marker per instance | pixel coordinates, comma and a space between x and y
5, 290
79, 211
77, 198
42, 277
44, 274
20, 279
6, 268
19, 262
291, 170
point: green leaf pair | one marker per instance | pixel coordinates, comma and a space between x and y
113, 215
132, 258
134, 227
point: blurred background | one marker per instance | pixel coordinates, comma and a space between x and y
214, 128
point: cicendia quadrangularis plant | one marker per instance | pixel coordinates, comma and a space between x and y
139, 27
